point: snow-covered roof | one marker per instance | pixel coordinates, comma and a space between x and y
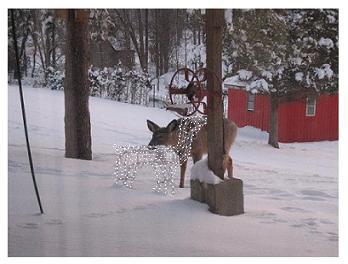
235, 81
254, 87
241, 79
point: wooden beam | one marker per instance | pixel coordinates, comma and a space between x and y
214, 28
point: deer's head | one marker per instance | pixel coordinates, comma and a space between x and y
167, 136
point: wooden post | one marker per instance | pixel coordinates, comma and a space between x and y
214, 27
225, 198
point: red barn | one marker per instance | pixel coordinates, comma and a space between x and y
310, 119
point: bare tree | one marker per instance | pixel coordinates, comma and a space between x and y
125, 17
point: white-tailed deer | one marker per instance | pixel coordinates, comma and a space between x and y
168, 136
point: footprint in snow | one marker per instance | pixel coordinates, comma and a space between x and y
333, 236
54, 222
311, 198
97, 215
139, 207
28, 225
120, 211
263, 215
297, 225
316, 193
311, 222
293, 209
326, 222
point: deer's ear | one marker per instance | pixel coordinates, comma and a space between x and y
152, 126
172, 125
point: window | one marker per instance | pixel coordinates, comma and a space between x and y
310, 106
251, 102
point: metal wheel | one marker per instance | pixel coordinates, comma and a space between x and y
185, 89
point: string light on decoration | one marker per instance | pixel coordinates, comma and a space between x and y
187, 132
162, 159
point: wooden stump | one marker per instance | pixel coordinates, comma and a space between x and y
198, 191
225, 198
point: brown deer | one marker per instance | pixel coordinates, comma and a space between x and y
168, 136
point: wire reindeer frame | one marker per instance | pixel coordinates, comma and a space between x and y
164, 160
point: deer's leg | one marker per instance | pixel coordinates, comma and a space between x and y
228, 165
196, 157
182, 174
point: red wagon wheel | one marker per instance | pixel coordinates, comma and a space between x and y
185, 91
202, 76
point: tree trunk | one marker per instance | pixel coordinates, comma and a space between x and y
34, 60
146, 40
25, 63
194, 31
273, 122
157, 55
199, 28
44, 43
77, 118
54, 42
129, 62
34, 33
177, 39
127, 24
22, 48
141, 39
47, 46
214, 25
165, 39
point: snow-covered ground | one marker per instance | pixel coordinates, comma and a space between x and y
291, 194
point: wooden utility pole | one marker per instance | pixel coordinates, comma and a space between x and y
225, 198
214, 28
76, 89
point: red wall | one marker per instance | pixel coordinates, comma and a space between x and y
294, 125
237, 110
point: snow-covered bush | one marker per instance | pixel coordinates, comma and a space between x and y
99, 81
116, 84
55, 79
138, 87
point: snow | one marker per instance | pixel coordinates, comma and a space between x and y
245, 75
291, 193
163, 81
296, 60
324, 71
320, 73
228, 16
234, 81
326, 42
331, 18
267, 74
299, 76
201, 172
190, 54
258, 85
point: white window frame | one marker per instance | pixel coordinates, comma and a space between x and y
251, 109
309, 106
